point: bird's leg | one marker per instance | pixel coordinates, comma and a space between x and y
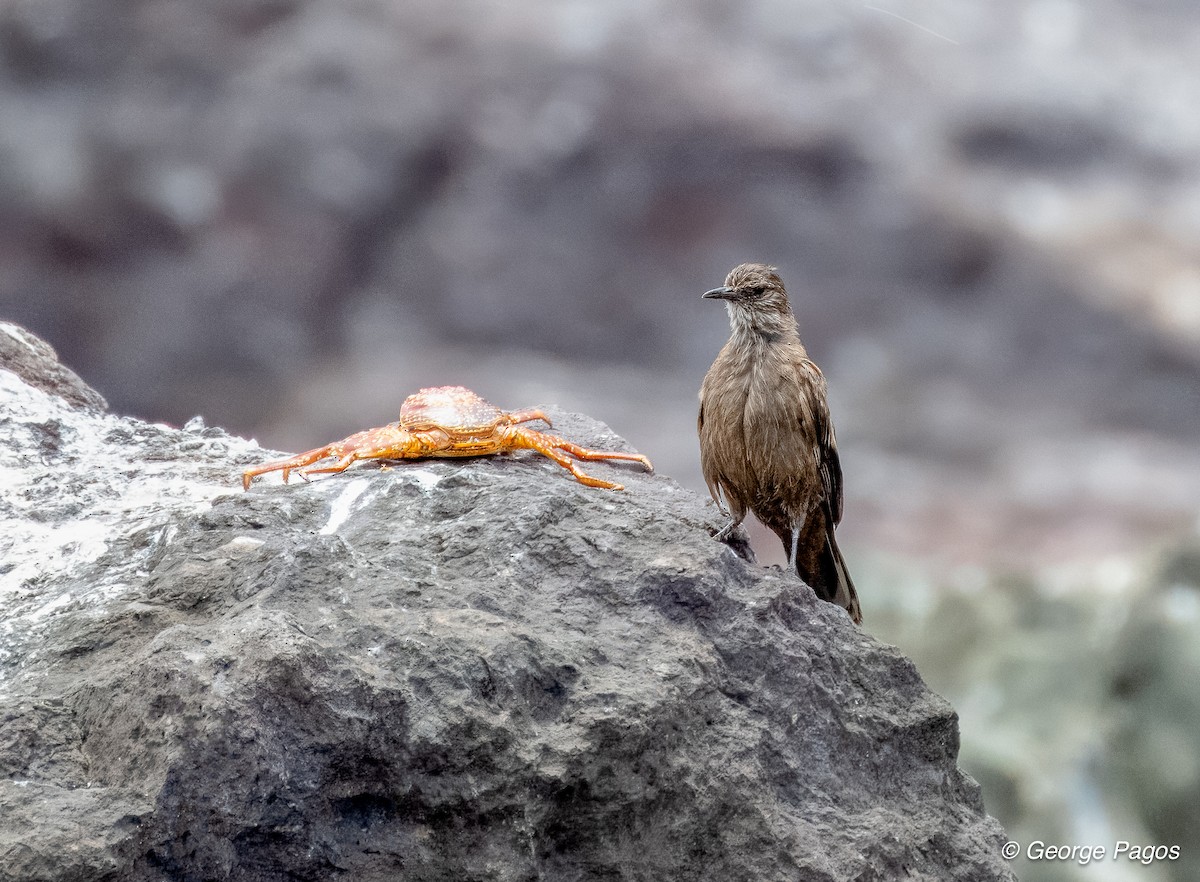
722, 534
796, 529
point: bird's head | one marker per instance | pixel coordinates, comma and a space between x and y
753, 286
756, 298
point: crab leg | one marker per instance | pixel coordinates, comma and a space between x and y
287, 466
530, 413
552, 446
586, 453
388, 442
567, 463
382, 443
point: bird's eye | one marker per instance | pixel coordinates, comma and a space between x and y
758, 290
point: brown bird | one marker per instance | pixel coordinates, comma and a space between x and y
766, 440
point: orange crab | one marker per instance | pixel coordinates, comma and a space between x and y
447, 421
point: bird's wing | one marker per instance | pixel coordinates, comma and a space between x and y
710, 477
828, 462
801, 444
722, 444
708, 458
831, 475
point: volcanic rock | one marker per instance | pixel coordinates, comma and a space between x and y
440, 670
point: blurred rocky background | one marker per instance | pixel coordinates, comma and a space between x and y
285, 215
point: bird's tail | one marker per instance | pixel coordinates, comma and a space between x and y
844, 594
819, 561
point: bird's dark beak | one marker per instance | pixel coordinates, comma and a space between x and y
722, 293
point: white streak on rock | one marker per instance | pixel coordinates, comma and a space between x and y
425, 479
241, 545
341, 507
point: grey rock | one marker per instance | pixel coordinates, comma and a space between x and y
441, 670
35, 362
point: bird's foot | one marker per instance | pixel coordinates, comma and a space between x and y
725, 532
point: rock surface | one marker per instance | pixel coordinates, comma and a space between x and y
445, 670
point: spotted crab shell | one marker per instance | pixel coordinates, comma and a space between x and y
454, 408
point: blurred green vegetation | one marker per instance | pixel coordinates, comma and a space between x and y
1080, 712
